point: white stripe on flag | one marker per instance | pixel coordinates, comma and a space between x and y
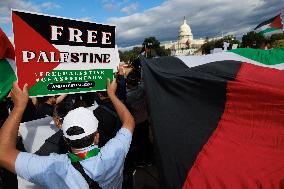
268, 34
264, 27
193, 61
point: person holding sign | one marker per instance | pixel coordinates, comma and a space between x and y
87, 166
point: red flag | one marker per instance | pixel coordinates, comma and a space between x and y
6, 47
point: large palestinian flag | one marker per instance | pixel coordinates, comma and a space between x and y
272, 26
57, 55
7, 65
218, 120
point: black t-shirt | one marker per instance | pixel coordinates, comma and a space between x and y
30, 112
109, 122
88, 98
44, 110
28, 115
54, 144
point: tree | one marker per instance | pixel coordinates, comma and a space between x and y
253, 40
206, 39
277, 40
129, 56
278, 44
210, 45
153, 48
278, 36
206, 47
151, 42
161, 51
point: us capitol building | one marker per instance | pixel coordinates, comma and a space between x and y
185, 45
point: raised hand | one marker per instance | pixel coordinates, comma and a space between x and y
19, 97
111, 87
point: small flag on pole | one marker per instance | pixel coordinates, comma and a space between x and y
269, 27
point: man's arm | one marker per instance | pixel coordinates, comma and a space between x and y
60, 98
123, 113
9, 131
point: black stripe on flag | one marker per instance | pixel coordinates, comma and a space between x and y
266, 22
185, 106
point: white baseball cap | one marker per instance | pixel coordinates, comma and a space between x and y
79, 117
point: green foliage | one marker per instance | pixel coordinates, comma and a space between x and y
278, 36
161, 51
253, 40
206, 47
278, 44
153, 48
129, 56
206, 39
151, 42
210, 45
257, 40
277, 40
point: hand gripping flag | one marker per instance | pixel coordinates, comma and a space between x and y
218, 120
7, 65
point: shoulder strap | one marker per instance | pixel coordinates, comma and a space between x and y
92, 184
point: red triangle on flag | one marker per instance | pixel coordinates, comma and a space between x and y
26, 38
82, 155
277, 23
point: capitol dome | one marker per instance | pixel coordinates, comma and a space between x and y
185, 44
185, 33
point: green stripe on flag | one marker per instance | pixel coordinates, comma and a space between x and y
269, 30
267, 57
7, 77
61, 78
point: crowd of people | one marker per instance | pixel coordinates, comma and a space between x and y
92, 148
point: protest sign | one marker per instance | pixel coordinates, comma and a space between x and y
58, 55
34, 133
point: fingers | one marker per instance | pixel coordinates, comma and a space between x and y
14, 89
108, 82
25, 89
16, 86
17, 89
114, 80
9, 95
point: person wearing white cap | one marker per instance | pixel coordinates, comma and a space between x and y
86, 166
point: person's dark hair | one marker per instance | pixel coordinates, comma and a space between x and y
97, 99
62, 109
42, 99
102, 93
80, 103
98, 96
132, 80
79, 143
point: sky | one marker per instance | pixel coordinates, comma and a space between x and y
138, 19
